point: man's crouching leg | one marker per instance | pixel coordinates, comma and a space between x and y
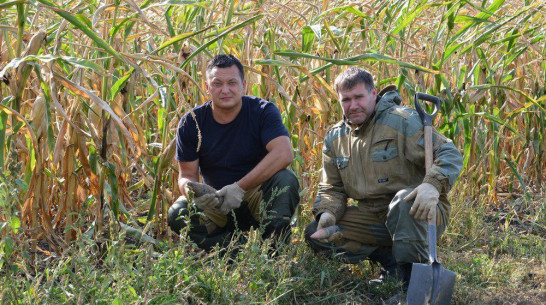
280, 194
410, 235
205, 232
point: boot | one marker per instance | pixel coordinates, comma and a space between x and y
388, 269
405, 275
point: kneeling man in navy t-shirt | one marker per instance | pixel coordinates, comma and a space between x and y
241, 148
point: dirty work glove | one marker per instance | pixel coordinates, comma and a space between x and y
233, 195
328, 234
206, 201
326, 219
426, 198
327, 231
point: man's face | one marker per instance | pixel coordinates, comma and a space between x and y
225, 87
358, 103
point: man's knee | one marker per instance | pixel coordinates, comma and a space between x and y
176, 216
281, 192
414, 251
285, 175
284, 178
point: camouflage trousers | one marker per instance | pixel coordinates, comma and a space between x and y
372, 232
269, 206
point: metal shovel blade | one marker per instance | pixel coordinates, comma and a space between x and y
430, 284
420, 285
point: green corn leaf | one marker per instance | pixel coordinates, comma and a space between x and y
147, 5
113, 182
478, 19
81, 25
408, 19
11, 3
231, 29
123, 24
151, 210
307, 38
3, 128
531, 100
349, 9
120, 83
450, 50
514, 169
179, 38
15, 224
355, 60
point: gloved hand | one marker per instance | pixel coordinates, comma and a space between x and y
327, 230
233, 195
326, 219
426, 198
207, 201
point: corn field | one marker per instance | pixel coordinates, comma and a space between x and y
92, 91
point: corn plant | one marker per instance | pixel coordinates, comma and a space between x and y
92, 92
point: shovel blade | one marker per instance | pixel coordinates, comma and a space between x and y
430, 284
420, 285
443, 288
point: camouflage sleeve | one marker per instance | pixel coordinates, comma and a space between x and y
331, 195
447, 163
447, 160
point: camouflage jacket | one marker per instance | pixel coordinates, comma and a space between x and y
371, 162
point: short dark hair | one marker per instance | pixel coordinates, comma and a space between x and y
226, 61
353, 76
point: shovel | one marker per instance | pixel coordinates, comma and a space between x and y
430, 284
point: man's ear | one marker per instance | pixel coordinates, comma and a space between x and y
244, 85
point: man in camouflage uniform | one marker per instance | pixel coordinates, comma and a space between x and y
376, 157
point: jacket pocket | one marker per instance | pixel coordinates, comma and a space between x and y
341, 162
383, 155
384, 150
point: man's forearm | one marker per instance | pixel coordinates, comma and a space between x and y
330, 199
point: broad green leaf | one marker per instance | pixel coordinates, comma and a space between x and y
113, 182
147, 5
235, 27
355, 60
84, 28
514, 169
307, 38
527, 97
448, 54
349, 9
179, 38
3, 128
15, 224
484, 15
11, 3
274, 62
408, 19
120, 83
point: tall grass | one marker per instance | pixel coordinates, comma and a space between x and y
92, 93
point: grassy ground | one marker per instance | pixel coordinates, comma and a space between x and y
498, 261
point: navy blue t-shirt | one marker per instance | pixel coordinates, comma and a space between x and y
229, 151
